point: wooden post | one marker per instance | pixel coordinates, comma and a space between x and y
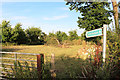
1, 66
53, 74
15, 54
40, 61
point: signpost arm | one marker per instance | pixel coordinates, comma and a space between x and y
104, 41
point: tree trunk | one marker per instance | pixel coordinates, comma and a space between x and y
115, 8
57, 41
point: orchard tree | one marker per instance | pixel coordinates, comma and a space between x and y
43, 38
34, 35
64, 36
94, 14
73, 35
61, 36
6, 31
18, 35
51, 34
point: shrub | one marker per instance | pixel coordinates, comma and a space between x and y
51, 42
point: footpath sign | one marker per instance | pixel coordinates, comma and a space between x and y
98, 32
94, 33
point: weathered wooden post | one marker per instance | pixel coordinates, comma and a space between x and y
15, 54
53, 74
40, 61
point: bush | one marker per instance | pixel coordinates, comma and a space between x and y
51, 42
113, 43
8, 44
77, 42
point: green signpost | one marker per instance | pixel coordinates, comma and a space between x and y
94, 33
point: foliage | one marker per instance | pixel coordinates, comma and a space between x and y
61, 36
73, 35
34, 35
113, 44
6, 31
51, 42
94, 15
18, 35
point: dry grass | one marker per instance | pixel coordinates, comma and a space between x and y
47, 50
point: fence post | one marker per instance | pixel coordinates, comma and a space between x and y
40, 61
1, 67
15, 58
53, 74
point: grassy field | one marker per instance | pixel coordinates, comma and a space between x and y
66, 63
42, 49
47, 50
60, 61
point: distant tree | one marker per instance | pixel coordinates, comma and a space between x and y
34, 35
51, 34
18, 35
73, 35
61, 36
64, 36
6, 31
43, 38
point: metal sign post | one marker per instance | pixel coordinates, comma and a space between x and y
104, 41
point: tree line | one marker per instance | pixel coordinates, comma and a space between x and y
32, 35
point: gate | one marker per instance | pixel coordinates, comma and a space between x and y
7, 59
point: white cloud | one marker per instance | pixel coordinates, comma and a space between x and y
16, 18
55, 17
65, 8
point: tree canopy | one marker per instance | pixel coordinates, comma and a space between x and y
6, 31
18, 35
34, 35
94, 15
73, 35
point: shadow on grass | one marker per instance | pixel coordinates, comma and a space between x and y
67, 67
10, 50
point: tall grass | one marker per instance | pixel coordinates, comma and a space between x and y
18, 71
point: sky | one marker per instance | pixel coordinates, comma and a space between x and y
50, 16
